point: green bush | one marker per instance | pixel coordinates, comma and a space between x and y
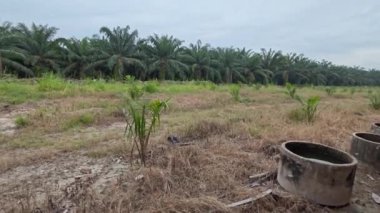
21, 122
151, 87
235, 92
375, 101
51, 82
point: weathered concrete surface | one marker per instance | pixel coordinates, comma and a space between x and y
366, 148
375, 128
320, 173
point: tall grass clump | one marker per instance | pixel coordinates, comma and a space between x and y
142, 119
85, 119
375, 101
352, 91
212, 86
258, 86
369, 92
51, 82
235, 92
96, 84
330, 91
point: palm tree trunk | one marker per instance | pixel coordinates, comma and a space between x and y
1, 66
162, 71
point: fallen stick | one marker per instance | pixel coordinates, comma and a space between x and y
185, 144
263, 176
251, 199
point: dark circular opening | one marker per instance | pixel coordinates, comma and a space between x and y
370, 137
377, 124
318, 152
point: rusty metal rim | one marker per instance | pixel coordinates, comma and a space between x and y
354, 161
355, 134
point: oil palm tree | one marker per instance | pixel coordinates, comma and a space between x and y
164, 53
252, 69
9, 57
118, 51
78, 54
229, 64
200, 61
273, 61
294, 69
39, 46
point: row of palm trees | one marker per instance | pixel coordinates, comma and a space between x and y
114, 53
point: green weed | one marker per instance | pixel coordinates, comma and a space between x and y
85, 119
21, 121
51, 82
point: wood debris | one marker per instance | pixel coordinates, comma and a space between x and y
376, 198
251, 199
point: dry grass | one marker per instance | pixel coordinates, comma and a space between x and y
231, 141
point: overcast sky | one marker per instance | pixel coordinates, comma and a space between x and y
342, 31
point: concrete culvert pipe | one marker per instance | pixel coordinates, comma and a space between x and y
375, 128
319, 173
366, 148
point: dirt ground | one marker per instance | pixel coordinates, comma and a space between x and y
56, 164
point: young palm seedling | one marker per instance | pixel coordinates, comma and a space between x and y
135, 92
141, 120
309, 107
308, 110
291, 90
235, 92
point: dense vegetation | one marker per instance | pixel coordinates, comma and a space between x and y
119, 52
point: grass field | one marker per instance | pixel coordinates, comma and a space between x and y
62, 145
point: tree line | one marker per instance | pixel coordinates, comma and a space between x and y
31, 51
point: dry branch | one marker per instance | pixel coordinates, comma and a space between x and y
262, 177
250, 200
